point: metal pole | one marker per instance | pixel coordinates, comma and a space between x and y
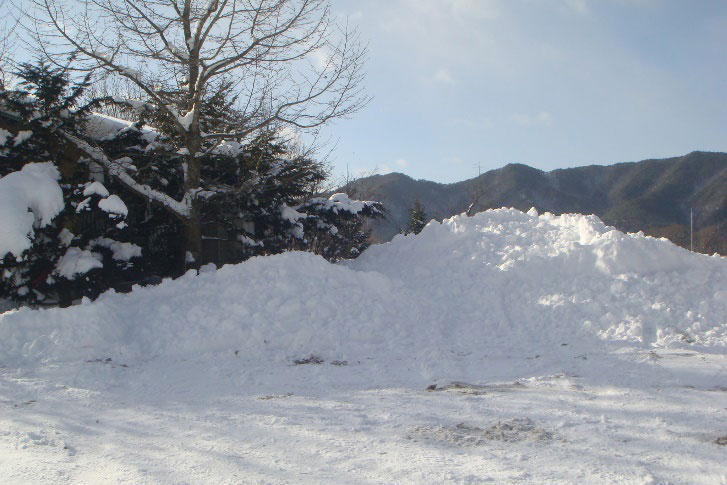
691, 229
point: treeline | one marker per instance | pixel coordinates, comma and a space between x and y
84, 230
205, 166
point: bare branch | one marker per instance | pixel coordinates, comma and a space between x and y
278, 62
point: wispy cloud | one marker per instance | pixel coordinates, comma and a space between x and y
321, 58
543, 118
457, 9
442, 75
428, 29
585, 7
498, 75
402, 163
579, 6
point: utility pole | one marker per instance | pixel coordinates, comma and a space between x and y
479, 169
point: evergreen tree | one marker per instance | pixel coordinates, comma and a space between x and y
251, 60
79, 252
417, 218
260, 192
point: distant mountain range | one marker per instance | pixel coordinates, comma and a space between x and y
654, 196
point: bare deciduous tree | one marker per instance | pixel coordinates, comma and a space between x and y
475, 193
281, 62
7, 39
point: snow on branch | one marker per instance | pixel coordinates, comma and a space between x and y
29, 198
77, 261
338, 203
118, 169
120, 251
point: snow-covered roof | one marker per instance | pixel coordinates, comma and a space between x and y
102, 126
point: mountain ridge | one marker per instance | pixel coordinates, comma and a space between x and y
653, 195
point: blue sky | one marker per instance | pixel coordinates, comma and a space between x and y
549, 83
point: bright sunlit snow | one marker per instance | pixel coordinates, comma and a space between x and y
29, 198
113, 205
503, 348
77, 261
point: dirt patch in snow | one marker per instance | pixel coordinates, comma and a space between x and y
275, 396
477, 389
514, 430
314, 359
311, 359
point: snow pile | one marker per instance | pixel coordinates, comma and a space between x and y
502, 282
281, 306
546, 276
29, 198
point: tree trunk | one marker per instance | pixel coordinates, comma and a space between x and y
193, 224
193, 237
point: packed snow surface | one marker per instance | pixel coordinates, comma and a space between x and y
554, 349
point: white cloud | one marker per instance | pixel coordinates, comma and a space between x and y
443, 76
459, 9
584, 6
428, 29
321, 58
580, 6
453, 160
543, 118
402, 163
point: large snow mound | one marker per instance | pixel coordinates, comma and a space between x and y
527, 277
502, 282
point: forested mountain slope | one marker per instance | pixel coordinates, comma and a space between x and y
654, 196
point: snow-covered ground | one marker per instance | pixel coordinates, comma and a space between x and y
507, 347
